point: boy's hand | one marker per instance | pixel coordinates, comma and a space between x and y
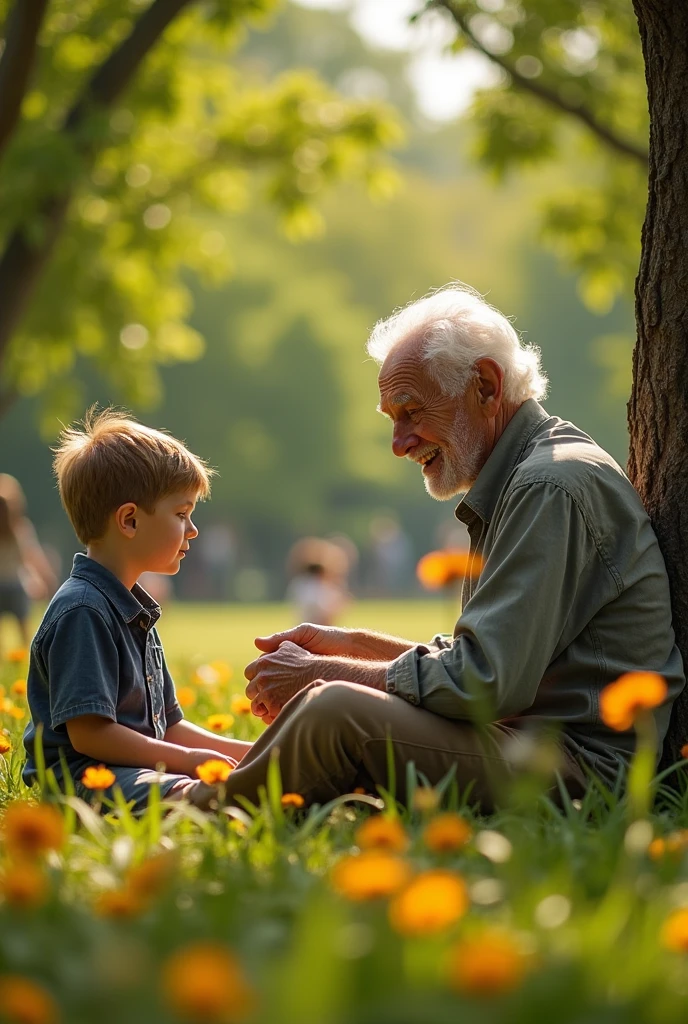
194, 757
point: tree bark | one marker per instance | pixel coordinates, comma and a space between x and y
21, 37
658, 407
23, 260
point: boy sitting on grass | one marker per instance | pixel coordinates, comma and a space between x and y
98, 683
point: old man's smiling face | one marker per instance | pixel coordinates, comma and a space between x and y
445, 435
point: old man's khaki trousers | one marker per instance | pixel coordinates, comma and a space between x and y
332, 738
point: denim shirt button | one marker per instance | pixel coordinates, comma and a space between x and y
142, 623
156, 718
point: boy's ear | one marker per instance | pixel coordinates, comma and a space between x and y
125, 518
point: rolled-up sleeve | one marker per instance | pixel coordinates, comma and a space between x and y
541, 558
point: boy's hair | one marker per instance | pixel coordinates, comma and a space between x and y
110, 459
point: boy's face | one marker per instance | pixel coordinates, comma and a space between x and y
163, 536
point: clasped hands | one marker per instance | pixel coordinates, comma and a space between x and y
289, 662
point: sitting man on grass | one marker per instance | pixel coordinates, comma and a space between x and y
98, 686
569, 590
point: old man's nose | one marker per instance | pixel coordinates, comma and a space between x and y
403, 441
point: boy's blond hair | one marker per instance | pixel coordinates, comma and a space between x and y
110, 459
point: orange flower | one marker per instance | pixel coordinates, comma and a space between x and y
186, 696
425, 799
441, 568
24, 885
18, 688
222, 670
22, 1001
447, 832
5, 745
16, 712
240, 705
674, 845
219, 723
684, 751
149, 878
17, 655
487, 964
369, 876
205, 982
382, 832
98, 777
430, 903
213, 771
119, 903
32, 829
674, 934
292, 800
634, 692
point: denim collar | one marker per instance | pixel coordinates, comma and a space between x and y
130, 604
482, 498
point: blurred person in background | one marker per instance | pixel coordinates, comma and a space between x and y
392, 557
25, 572
319, 571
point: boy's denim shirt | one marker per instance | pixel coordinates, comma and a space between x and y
96, 652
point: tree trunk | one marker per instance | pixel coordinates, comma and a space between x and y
658, 407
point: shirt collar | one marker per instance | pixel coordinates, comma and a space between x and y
130, 604
505, 456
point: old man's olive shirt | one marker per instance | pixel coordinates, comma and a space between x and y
572, 592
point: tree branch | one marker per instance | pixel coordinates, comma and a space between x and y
544, 93
21, 37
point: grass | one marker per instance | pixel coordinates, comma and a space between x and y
572, 915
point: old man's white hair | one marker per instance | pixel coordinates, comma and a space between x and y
456, 327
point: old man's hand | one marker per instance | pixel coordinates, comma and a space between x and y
274, 678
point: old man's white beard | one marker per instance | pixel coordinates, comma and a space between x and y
458, 463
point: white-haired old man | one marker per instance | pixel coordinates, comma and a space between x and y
572, 592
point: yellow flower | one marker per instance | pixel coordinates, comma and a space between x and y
219, 723
292, 800
674, 844
22, 1001
446, 832
19, 687
5, 745
216, 673
382, 832
98, 777
149, 878
17, 655
32, 829
430, 903
121, 903
371, 875
7, 706
205, 982
634, 692
24, 885
16, 712
675, 931
213, 771
186, 696
240, 705
222, 670
425, 799
487, 964
440, 568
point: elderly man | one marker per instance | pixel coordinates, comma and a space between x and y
570, 589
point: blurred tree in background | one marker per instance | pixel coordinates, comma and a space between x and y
123, 127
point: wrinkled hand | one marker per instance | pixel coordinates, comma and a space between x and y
326, 640
197, 755
275, 677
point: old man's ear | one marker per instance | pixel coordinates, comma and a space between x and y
489, 381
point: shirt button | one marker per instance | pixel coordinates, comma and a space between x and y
142, 623
156, 717
149, 679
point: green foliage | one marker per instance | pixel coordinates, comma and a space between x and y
192, 139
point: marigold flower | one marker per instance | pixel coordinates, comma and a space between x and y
371, 875
222, 670
149, 878
16, 712
25, 1002
119, 903
487, 964
18, 688
441, 568
5, 745
206, 982
213, 771
219, 723
24, 885
632, 693
186, 696
292, 800
382, 832
447, 832
425, 799
684, 751
7, 706
17, 655
32, 829
674, 935
240, 705
98, 777
674, 844
430, 903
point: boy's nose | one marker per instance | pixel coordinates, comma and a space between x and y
191, 531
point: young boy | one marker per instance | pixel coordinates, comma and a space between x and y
98, 683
